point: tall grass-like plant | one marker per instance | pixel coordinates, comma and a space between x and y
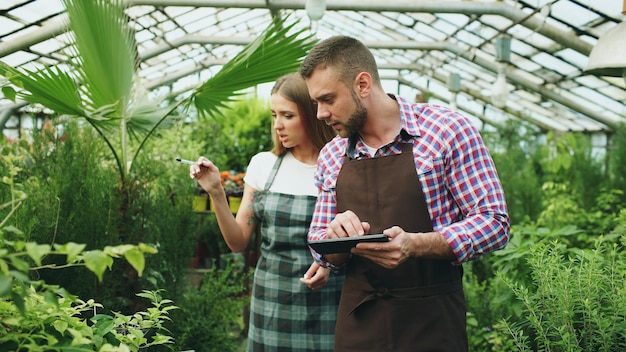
616, 155
575, 303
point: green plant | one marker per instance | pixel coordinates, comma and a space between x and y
616, 157
243, 130
488, 338
212, 313
487, 300
514, 150
102, 84
54, 320
577, 301
36, 316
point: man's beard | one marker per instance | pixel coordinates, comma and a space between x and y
357, 119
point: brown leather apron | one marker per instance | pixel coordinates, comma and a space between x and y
418, 306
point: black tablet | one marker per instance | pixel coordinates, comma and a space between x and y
343, 244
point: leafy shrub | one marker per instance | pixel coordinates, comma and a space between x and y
73, 189
54, 320
575, 303
212, 313
231, 138
36, 316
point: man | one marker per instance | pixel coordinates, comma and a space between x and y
418, 173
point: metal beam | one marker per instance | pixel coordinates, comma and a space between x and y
511, 76
411, 45
535, 23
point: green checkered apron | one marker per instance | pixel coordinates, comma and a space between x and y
285, 315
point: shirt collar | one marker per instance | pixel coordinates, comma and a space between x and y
408, 124
408, 129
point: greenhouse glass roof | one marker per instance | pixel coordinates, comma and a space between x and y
420, 46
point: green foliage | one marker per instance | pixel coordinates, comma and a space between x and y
575, 303
236, 134
73, 190
37, 316
533, 170
514, 152
560, 196
616, 151
277, 51
570, 161
54, 320
484, 329
212, 313
101, 84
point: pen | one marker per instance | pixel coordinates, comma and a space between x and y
184, 161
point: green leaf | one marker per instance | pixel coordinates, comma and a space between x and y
51, 298
9, 93
5, 284
4, 267
18, 300
19, 264
117, 251
51, 87
103, 324
19, 275
136, 259
105, 49
60, 325
97, 262
271, 55
71, 250
37, 251
12, 229
145, 248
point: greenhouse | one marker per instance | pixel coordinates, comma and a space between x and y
107, 244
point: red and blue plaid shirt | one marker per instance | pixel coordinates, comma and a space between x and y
459, 179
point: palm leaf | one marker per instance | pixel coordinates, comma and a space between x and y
269, 56
104, 49
50, 87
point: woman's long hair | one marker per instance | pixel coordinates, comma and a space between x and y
293, 87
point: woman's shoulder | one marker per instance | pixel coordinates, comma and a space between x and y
262, 158
259, 168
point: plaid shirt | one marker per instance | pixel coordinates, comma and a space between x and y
459, 179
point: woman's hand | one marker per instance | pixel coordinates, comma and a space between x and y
316, 277
207, 175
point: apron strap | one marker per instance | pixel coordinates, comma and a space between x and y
272, 175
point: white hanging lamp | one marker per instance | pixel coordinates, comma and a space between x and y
315, 10
608, 56
500, 89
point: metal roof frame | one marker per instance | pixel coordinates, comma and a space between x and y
418, 44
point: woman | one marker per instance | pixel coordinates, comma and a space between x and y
278, 201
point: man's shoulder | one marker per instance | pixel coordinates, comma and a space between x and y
336, 146
331, 155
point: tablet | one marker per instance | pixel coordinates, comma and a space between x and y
344, 244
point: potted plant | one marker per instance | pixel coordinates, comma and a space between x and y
233, 186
